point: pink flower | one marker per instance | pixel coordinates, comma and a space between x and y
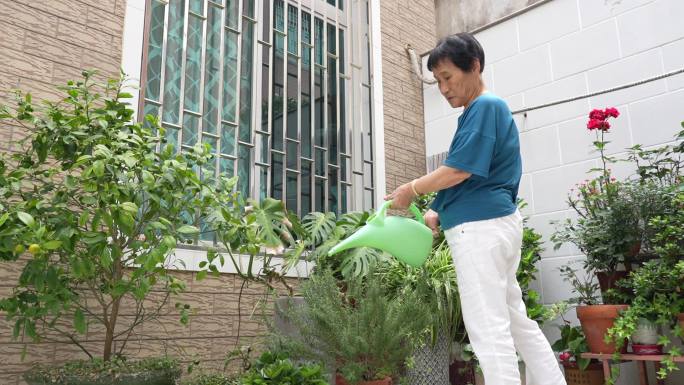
565, 356
604, 126
612, 111
594, 124
597, 114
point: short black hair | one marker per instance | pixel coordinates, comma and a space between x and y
461, 49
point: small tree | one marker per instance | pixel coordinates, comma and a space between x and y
100, 203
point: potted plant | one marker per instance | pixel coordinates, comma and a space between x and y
577, 370
93, 207
365, 335
275, 369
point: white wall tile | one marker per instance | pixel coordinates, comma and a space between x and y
546, 225
526, 70
499, 42
547, 23
438, 134
539, 148
525, 193
624, 71
584, 50
652, 25
657, 120
436, 107
577, 141
558, 90
551, 187
673, 59
596, 11
555, 289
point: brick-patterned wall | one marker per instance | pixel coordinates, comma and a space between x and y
46, 43
404, 22
43, 43
211, 334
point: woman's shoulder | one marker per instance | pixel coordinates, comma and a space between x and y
491, 100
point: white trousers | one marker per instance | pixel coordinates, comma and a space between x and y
486, 255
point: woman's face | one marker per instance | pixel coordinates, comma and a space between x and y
459, 88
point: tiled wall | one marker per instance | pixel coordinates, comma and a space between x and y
567, 48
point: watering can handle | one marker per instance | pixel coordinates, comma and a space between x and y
380, 214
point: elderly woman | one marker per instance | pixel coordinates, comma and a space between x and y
477, 188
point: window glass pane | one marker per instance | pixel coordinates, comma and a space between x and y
292, 155
265, 87
266, 22
306, 188
170, 137
174, 62
332, 193
318, 40
244, 167
230, 76
340, 4
367, 174
343, 117
263, 182
345, 171
212, 71
277, 176
279, 20
344, 193
292, 192
319, 128
190, 132
343, 62
212, 141
292, 98
248, 8
245, 130
228, 139
154, 50
193, 64
277, 128
209, 169
320, 162
227, 167
332, 39
331, 2
367, 200
264, 149
292, 24
306, 28
232, 14
197, 6
150, 109
367, 124
332, 110
205, 231
320, 194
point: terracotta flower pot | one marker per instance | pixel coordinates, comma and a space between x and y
595, 321
339, 380
592, 375
608, 280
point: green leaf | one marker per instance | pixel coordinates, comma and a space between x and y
79, 321
130, 207
98, 168
26, 218
187, 229
3, 218
52, 245
201, 275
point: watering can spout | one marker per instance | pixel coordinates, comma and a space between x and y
408, 240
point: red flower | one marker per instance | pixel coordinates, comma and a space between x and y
612, 111
565, 356
598, 114
605, 126
594, 124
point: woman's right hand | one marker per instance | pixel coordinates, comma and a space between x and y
431, 219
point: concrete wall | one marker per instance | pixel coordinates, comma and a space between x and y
566, 48
404, 22
454, 16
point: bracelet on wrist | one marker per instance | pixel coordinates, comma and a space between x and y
413, 187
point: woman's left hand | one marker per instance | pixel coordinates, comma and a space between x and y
401, 197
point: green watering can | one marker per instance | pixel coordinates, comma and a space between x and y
408, 240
